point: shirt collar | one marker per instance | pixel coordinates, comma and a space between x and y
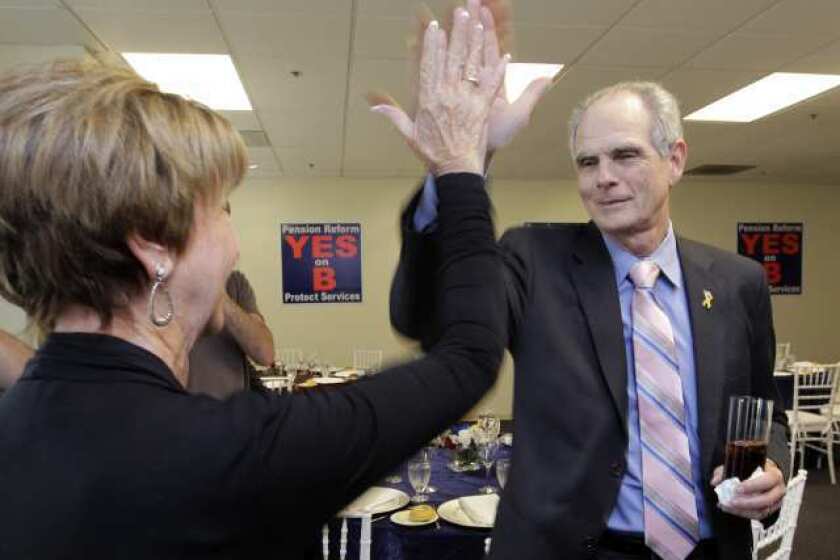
665, 256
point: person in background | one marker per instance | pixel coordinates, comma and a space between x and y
220, 364
105, 454
14, 353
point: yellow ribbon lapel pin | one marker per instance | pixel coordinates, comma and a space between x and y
708, 299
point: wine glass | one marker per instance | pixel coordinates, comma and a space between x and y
429, 452
419, 475
490, 424
502, 468
291, 374
487, 447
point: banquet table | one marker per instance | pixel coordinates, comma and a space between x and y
438, 541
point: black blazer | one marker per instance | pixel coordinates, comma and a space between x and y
105, 455
564, 330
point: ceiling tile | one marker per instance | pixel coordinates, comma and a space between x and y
12, 56
242, 120
798, 17
176, 32
571, 12
553, 45
30, 4
42, 26
742, 51
691, 15
310, 160
292, 36
824, 61
381, 37
401, 8
271, 85
545, 12
642, 46
304, 127
148, 6
318, 7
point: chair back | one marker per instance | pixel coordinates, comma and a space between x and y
365, 538
814, 386
783, 530
367, 359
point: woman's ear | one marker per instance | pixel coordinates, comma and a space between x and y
151, 255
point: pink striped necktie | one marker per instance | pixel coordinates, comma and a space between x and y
671, 524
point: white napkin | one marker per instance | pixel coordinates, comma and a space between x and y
480, 510
374, 498
726, 489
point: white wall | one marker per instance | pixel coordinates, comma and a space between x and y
707, 211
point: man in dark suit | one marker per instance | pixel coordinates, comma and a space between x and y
628, 341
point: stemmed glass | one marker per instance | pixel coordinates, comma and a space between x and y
487, 446
502, 467
490, 424
419, 475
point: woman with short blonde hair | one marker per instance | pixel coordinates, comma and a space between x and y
114, 237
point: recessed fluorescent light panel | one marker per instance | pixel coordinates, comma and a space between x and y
768, 95
210, 79
520, 74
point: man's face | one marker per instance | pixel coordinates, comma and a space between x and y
623, 181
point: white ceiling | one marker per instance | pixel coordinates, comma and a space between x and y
319, 124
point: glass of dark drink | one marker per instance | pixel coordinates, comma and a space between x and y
748, 432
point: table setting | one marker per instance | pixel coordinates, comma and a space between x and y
442, 502
297, 377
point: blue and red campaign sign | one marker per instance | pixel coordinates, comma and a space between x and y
322, 263
778, 248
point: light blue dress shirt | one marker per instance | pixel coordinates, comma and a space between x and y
670, 293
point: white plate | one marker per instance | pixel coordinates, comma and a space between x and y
349, 373
451, 511
401, 518
377, 499
328, 380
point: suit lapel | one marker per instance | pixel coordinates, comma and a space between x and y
594, 280
706, 328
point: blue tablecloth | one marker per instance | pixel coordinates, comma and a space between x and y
440, 541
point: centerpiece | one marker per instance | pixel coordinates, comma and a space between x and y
461, 441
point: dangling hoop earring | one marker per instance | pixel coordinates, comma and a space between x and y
159, 289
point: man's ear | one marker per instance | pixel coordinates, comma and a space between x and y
151, 255
677, 159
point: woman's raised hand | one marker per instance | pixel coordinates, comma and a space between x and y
458, 81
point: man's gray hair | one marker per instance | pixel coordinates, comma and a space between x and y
663, 107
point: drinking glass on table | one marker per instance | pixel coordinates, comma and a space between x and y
502, 468
487, 447
419, 475
748, 432
490, 424
291, 375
